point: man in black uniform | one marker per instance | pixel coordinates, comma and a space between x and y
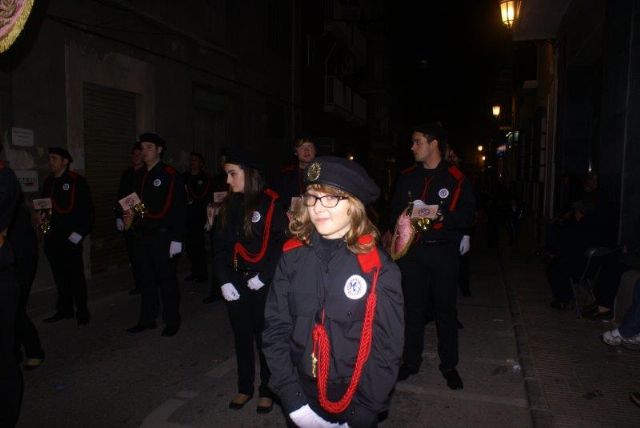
11, 382
126, 183
199, 194
71, 219
158, 236
430, 267
291, 179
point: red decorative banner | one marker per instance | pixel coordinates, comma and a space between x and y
13, 16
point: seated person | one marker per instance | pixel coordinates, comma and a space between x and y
628, 333
577, 235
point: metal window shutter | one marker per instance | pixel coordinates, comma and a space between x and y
109, 133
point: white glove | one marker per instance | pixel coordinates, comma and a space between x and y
255, 283
75, 237
304, 417
175, 248
119, 224
465, 245
229, 292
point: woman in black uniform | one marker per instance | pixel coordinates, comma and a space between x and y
334, 316
247, 245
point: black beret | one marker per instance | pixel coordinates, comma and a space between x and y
433, 129
343, 174
61, 152
243, 158
150, 137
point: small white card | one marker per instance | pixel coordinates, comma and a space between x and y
42, 204
218, 197
129, 201
296, 202
420, 209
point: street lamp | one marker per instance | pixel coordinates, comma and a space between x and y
496, 111
480, 148
484, 158
510, 10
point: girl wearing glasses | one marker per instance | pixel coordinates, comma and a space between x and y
247, 245
334, 316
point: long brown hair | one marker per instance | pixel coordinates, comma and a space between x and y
253, 187
301, 226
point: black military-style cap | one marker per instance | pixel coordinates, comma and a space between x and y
243, 158
433, 129
150, 137
63, 153
343, 174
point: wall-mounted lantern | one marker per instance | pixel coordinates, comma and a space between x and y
510, 11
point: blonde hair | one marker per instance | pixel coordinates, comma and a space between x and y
301, 226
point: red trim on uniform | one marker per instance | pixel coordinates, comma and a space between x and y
72, 203
167, 204
438, 226
368, 262
292, 244
459, 176
425, 188
2, 166
199, 196
240, 250
408, 170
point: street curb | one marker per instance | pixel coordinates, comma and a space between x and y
541, 417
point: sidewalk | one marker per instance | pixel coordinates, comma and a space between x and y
573, 380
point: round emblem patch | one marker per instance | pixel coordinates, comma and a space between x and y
355, 287
313, 173
65, 186
443, 193
157, 182
255, 217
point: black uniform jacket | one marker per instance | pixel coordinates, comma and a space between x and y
226, 236
290, 184
199, 194
9, 194
72, 205
161, 189
445, 186
303, 284
126, 187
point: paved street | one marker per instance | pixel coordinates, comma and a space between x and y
101, 377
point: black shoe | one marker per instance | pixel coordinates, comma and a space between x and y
138, 328
169, 331
210, 299
58, 317
265, 405
239, 401
134, 291
83, 319
406, 371
453, 379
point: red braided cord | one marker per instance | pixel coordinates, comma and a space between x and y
167, 202
238, 248
323, 344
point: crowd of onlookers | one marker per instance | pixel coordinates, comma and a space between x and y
585, 270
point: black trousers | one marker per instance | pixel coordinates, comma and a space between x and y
11, 382
26, 333
463, 280
196, 250
430, 284
128, 241
67, 267
247, 321
157, 274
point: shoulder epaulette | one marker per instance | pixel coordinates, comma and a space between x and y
292, 244
73, 175
170, 170
408, 170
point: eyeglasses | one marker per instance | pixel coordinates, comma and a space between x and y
327, 201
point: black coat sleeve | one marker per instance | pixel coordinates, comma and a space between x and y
381, 370
461, 219
84, 214
222, 255
276, 336
277, 236
9, 192
179, 211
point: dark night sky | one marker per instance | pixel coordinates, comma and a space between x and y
451, 54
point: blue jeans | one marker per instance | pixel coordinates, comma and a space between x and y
631, 324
